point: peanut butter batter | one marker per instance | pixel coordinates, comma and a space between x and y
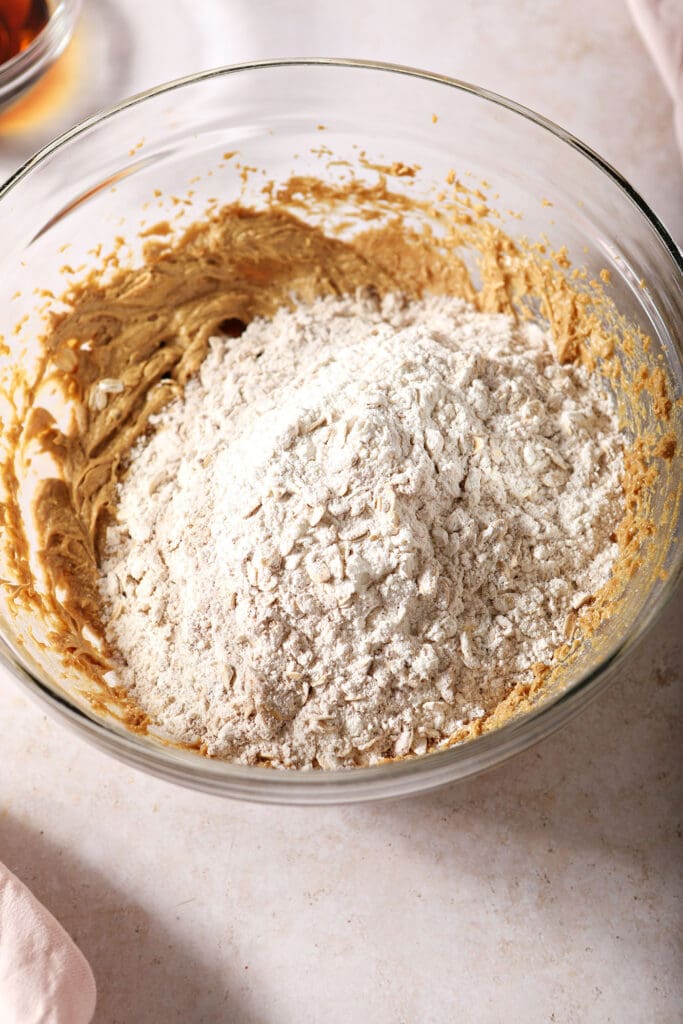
146, 329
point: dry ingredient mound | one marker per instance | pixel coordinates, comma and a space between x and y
361, 525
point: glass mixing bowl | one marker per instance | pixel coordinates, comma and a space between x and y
92, 185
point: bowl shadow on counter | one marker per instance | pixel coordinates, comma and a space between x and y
123, 942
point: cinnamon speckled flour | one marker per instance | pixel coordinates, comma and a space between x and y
361, 525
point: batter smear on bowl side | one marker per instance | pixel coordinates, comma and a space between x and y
364, 520
343, 477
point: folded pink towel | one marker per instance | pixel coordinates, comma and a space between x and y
660, 23
44, 977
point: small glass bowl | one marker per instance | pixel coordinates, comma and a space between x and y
18, 74
93, 183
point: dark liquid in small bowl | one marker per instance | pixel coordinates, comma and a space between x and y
20, 22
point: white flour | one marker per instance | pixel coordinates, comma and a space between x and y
358, 529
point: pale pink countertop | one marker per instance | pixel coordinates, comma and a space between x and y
549, 889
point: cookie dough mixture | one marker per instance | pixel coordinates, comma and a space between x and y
365, 521
301, 485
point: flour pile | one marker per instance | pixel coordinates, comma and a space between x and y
362, 524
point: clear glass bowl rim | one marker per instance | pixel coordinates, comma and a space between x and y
395, 778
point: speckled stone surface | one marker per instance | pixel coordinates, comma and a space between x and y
549, 889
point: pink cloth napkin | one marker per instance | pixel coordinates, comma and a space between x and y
660, 23
44, 977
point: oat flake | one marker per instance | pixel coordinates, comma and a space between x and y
359, 527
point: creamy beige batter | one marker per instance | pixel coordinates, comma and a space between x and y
148, 328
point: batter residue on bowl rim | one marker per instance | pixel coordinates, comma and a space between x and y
149, 327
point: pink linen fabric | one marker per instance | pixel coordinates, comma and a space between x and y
44, 977
660, 23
